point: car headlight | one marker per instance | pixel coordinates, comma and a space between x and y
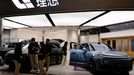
103, 61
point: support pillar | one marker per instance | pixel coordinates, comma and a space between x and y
1, 32
43, 33
79, 39
99, 38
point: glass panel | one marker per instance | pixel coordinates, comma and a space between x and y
132, 44
100, 47
126, 45
114, 44
120, 45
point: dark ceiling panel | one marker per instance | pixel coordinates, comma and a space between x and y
7, 8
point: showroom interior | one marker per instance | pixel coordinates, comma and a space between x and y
109, 22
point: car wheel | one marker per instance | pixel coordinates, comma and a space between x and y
92, 67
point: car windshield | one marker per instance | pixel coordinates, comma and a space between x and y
100, 47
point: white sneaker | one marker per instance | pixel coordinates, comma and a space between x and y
32, 70
63, 67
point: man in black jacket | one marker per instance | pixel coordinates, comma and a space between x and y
49, 50
41, 57
33, 53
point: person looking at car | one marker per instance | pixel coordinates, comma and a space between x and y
33, 53
17, 58
41, 57
64, 52
49, 49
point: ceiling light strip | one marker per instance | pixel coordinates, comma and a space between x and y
18, 23
95, 17
50, 19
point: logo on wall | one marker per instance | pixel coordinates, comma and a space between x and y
24, 4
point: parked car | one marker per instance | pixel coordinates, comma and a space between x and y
7, 47
99, 57
10, 46
55, 58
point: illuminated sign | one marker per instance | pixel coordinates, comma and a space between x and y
24, 4
46, 3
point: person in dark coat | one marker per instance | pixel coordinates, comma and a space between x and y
64, 53
41, 58
33, 53
17, 58
49, 50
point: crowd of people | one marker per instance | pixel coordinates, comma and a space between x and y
39, 54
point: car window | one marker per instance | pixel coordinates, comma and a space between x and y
87, 47
100, 47
83, 46
91, 48
74, 45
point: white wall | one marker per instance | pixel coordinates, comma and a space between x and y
17, 34
89, 38
68, 35
62, 34
117, 34
72, 36
93, 38
13, 35
84, 39
28, 34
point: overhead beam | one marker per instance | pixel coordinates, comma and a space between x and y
18, 22
94, 18
50, 19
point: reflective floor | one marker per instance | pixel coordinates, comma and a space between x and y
58, 70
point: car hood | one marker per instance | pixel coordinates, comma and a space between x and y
112, 54
24, 50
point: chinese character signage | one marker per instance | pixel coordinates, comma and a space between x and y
46, 3
24, 4
33, 7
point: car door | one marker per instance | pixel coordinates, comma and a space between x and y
73, 53
76, 55
88, 54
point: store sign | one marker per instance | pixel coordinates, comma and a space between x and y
24, 4
33, 7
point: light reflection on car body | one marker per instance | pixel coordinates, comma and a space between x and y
100, 57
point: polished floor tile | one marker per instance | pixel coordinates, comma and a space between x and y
57, 70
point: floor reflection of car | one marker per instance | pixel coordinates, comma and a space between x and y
98, 57
56, 56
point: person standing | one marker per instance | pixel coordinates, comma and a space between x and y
17, 58
49, 49
41, 57
33, 53
64, 52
